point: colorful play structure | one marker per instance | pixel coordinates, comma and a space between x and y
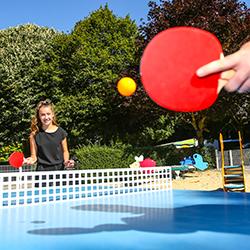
188, 164
196, 161
233, 176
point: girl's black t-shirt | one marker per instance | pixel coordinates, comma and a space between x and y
49, 147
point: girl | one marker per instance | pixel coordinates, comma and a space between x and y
48, 141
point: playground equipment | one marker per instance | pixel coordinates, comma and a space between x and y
196, 160
233, 176
189, 164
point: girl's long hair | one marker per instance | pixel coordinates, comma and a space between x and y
36, 124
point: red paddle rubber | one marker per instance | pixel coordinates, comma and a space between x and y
168, 69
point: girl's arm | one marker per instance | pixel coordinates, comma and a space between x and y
67, 162
33, 151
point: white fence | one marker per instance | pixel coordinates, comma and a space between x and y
27, 188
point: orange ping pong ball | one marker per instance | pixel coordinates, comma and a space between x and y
126, 86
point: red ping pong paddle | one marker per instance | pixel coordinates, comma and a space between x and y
168, 69
16, 159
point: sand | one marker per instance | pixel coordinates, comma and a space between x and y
204, 180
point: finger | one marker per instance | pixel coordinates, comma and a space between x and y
222, 64
227, 75
245, 87
224, 78
221, 84
238, 83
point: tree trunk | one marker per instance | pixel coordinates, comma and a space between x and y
199, 125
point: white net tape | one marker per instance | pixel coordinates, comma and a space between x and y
27, 188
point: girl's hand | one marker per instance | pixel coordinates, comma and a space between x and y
69, 164
28, 161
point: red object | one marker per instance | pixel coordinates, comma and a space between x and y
168, 69
147, 163
16, 159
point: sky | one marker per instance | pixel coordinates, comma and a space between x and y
62, 15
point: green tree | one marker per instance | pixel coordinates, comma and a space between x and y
21, 49
84, 67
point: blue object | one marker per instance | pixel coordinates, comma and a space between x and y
187, 161
199, 163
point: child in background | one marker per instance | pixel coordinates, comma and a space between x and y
48, 141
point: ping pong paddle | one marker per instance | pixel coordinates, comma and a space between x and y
169, 64
16, 159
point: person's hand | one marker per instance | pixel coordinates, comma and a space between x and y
28, 161
239, 62
69, 164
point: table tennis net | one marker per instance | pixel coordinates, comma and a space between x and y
28, 188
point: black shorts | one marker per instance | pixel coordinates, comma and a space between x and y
42, 167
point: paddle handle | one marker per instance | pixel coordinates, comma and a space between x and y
224, 77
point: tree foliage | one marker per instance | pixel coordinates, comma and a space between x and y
83, 68
21, 50
79, 72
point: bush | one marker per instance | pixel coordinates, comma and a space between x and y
100, 157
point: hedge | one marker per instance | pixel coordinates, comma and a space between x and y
101, 157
